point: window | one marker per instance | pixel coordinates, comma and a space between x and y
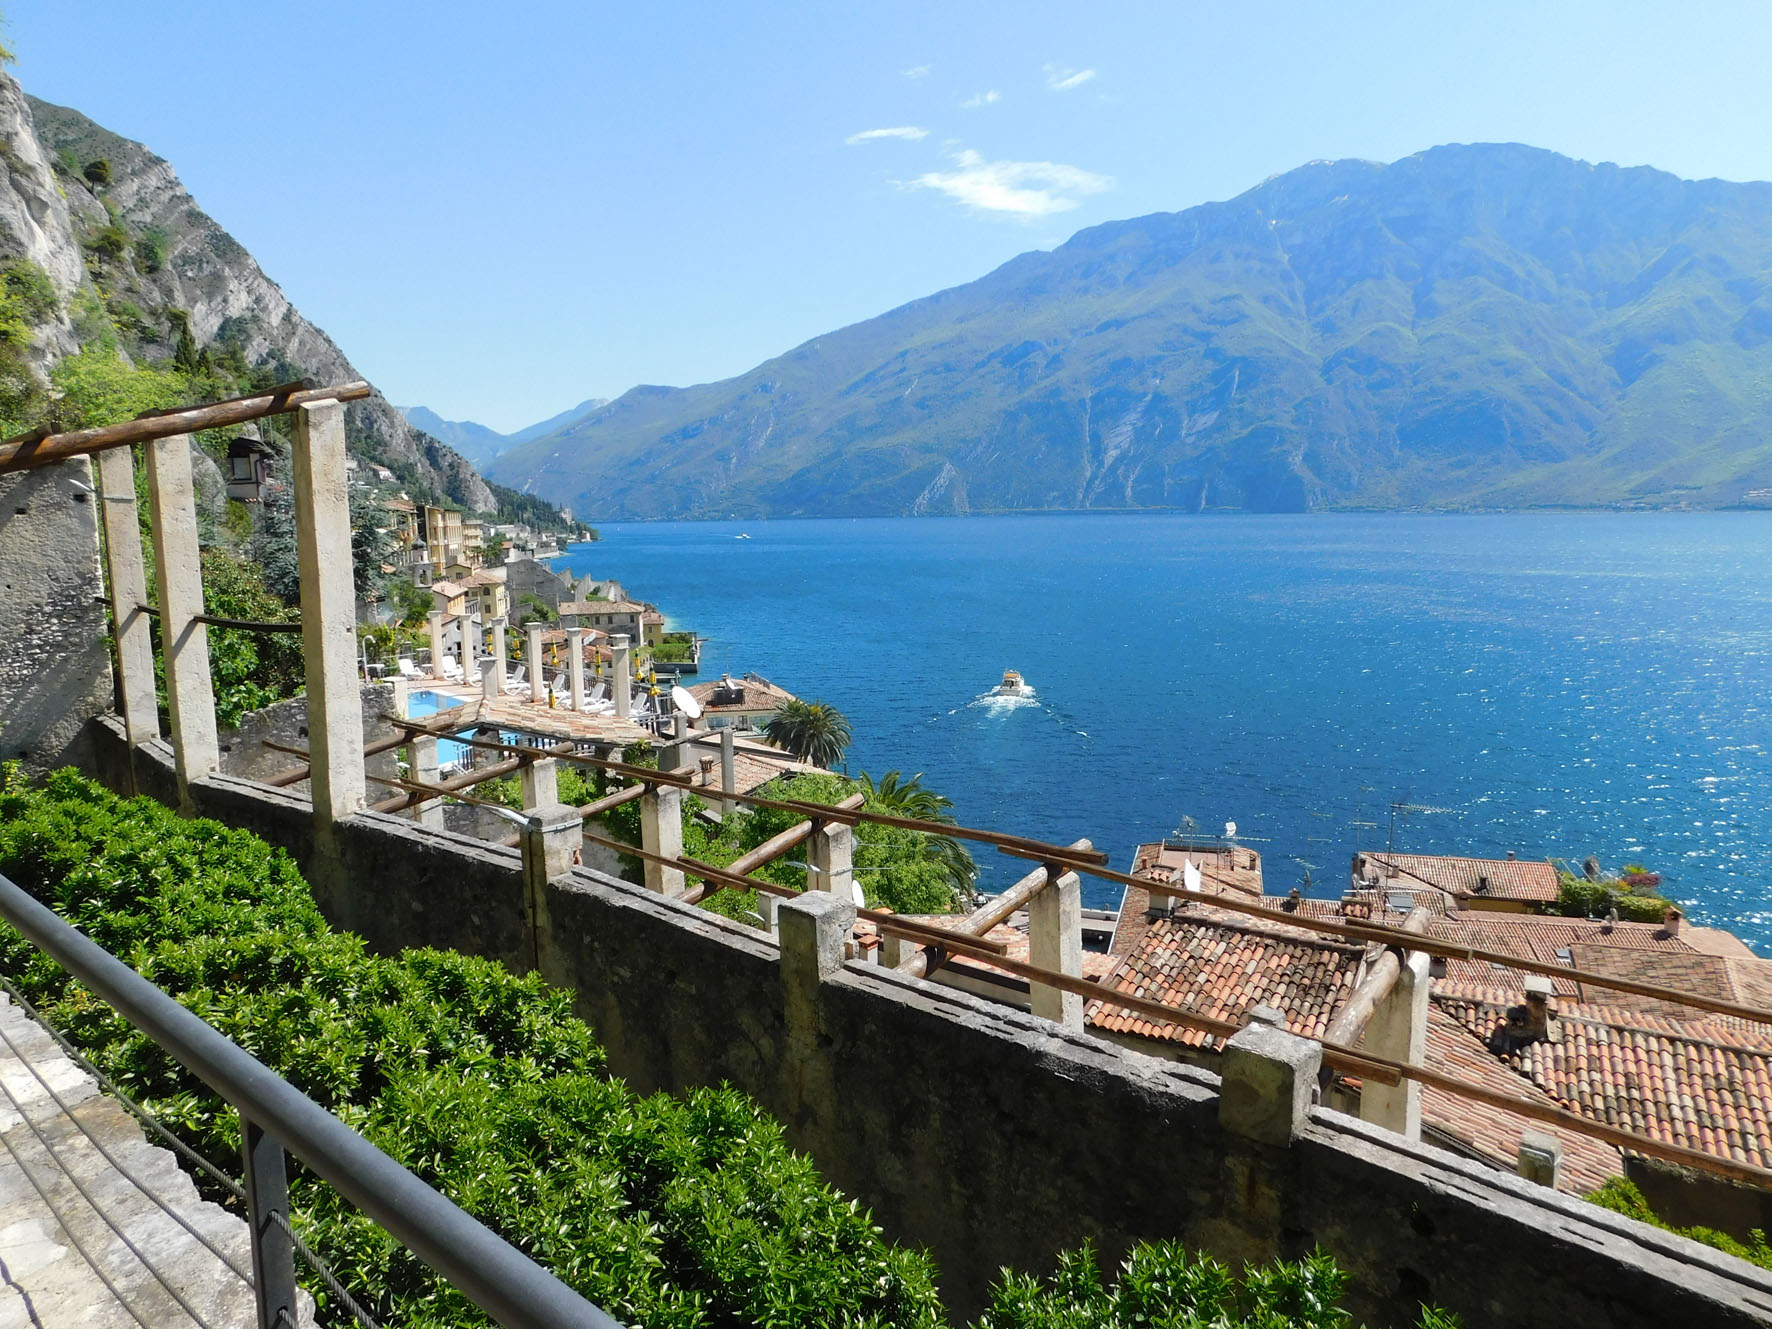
242, 468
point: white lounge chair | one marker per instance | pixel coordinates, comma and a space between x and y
408, 669
450, 670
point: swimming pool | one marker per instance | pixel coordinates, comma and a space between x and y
423, 702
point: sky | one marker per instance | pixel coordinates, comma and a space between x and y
500, 211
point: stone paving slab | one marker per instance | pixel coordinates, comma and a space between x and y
44, 1280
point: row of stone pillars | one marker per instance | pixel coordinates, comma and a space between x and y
492, 671
328, 609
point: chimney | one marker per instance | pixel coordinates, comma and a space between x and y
1539, 990
1510, 855
1670, 921
1292, 899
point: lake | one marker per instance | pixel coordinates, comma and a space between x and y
1556, 685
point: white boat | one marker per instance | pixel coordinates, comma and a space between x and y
1013, 686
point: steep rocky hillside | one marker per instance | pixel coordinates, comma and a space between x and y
1488, 325
160, 263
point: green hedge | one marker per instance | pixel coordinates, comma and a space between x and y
1624, 1197
669, 1212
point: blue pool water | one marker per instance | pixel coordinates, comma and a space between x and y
423, 702
1562, 684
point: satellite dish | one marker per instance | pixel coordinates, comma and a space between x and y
1230, 830
861, 901
686, 702
1190, 875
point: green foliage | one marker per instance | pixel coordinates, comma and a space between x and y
150, 250
272, 546
1161, 1286
511, 505
373, 546
413, 603
100, 388
532, 608
108, 243
1577, 897
813, 731
97, 171
1622, 1196
27, 301
668, 1212
248, 669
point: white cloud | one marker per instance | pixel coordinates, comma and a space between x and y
917, 71
910, 132
1020, 189
977, 100
1063, 79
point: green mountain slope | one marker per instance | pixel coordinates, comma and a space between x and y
1475, 325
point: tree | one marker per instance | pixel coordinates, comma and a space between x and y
273, 547
372, 545
812, 730
98, 171
896, 796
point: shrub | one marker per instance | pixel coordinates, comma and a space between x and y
109, 242
97, 171
1623, 1196
150, 252
669, 1212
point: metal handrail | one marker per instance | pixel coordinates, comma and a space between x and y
491, 1273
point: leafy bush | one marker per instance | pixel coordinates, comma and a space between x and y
668, 1212
1622, 1196
97, 171
110, 242
1161, 1285
150, 251
1577, 897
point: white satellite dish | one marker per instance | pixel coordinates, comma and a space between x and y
1230, 830
686, 702
861, 901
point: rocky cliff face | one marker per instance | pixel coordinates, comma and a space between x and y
179, 262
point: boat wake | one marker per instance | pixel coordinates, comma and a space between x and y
995, 704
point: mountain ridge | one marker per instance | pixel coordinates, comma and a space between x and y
1474, 325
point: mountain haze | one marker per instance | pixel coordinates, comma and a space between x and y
1476, 325
477, 442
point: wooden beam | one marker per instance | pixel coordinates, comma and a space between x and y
39, 447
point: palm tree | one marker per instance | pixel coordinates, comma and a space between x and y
899, 797
812, 730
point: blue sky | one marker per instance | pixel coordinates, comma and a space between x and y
499, 211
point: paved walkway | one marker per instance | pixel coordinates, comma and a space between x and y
45, 1280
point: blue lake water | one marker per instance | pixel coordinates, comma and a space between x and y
1561, 684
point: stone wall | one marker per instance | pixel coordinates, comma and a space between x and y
243, 750
55, 668
993, 1137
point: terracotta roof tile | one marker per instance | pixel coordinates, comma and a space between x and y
1225, 969
1466, 878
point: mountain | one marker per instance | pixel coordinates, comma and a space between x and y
171, 265
1488, 324
478, 443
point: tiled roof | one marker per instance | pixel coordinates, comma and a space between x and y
1466, 878
1550, 940
759, 694
1701, 1085
1493, 1132
1226, 969
1232, 867
600, 607
448, 589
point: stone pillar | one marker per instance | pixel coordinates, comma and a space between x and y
402, 693
541, 782
491, 678
496, 672
1267, 1079
728, 781
1541, 1157
815, 928
830, 854
328, 612
769, 910
1055, 941
1398, 1030
423, 768
623, 681
661, 832
127, 579
190, 696
575, 666
532, 649
435, 617
547, 841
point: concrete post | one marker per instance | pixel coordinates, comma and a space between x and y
532, 651
769, 910
402, 695
435, 618
1398, 1030
490, 678
424, 768
575, 666
190, 696
547, 842
1541, 1157
126, 577
496, 686
830, 853
661, 832
815, 927
328, 612
728, 781
541, 782
623, 682
1267, 1079
1055, 941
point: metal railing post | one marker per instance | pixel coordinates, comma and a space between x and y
267, 1210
